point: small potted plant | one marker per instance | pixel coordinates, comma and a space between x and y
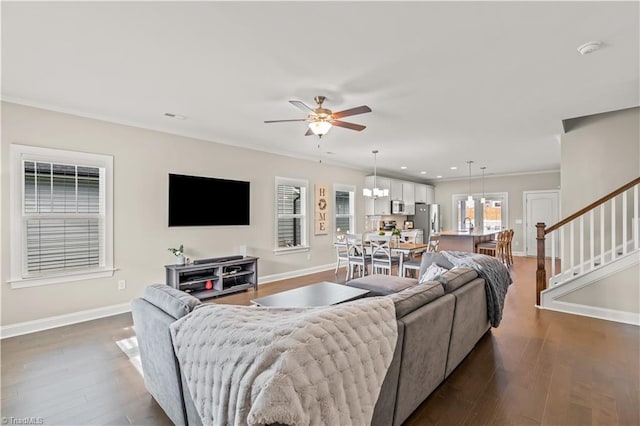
179, 254
396, 234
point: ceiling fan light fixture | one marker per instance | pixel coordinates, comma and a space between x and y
320, 127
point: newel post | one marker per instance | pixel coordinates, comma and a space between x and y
541, 273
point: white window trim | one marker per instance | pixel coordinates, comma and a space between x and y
305, 246
346, 188
34, 153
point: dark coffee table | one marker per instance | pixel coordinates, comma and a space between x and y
319, 294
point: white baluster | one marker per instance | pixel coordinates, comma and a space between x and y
624, 222
582, 244
553, 255
592, 252
563, 264
571, 247
613, 229
602, 250
636, 219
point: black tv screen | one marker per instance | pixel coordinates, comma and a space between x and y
204, 201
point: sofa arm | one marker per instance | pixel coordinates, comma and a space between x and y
174, 302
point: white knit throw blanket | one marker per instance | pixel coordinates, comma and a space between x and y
320, 366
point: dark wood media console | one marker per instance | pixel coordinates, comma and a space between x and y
223, 277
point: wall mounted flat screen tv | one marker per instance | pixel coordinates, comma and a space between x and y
204, 201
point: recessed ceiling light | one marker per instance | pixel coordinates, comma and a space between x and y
403, 167
176, 116
453, 168
439, 176
589, 47
423, 172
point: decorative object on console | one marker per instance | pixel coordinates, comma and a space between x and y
321, 119
375, 192
179, 254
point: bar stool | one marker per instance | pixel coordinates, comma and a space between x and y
494, 247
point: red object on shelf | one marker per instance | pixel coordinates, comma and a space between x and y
208, 285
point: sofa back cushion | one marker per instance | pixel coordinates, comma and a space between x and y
456, 278
410, 299
172, 301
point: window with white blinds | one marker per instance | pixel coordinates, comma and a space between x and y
63, 215
345, 209
291, 214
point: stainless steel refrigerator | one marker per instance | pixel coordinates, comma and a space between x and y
427, 217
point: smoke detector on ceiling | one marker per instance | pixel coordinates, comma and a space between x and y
589, 47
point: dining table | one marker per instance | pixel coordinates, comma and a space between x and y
402, 248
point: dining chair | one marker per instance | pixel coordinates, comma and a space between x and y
434, 242
381, 257
357, 256
342, 253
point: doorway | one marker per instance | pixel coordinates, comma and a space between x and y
540, 206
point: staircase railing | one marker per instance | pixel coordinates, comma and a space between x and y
605, 251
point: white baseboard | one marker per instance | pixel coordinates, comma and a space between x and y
595, 312
296, 273
26, 327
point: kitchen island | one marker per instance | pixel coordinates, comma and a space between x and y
464, 240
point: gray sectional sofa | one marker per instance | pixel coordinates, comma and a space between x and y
439, 323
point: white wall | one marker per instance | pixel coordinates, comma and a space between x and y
599, 153
513, 185
142, 161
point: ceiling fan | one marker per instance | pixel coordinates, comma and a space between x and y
321, 119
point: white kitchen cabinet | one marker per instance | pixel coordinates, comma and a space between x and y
396, 189
409, 197
420, 193
431, 195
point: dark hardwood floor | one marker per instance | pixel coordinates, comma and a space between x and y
538, 367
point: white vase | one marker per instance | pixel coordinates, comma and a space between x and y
180, 260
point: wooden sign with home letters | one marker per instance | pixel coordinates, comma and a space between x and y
322, 209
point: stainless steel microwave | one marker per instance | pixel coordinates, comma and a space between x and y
397, 207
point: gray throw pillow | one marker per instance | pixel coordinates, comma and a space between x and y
437, 258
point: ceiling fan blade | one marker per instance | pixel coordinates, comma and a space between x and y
309, 133
352, 111
352, 126
301, 105
282, 121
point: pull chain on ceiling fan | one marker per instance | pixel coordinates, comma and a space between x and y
322, 119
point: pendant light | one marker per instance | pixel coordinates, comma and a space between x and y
483, 200
469, 197
375, 192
